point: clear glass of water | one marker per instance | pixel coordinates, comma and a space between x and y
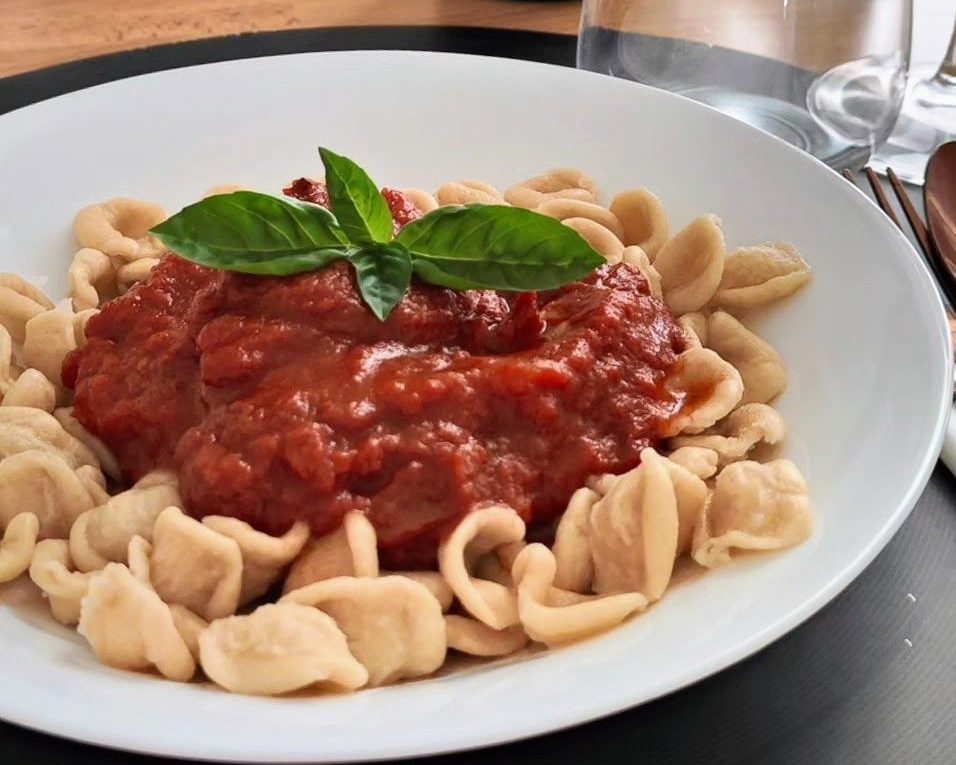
828, 76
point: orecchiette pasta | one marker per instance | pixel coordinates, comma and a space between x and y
95, 483
702, 369
468, 192
477, 533
84, 557
634, 531
424, 201
733, 438
129, 627
534, 572
129, 273
33, 390
9, 370
572, 546
138, 560
695, 328
278, 648
189, 626
28, 429
754, 507
194, 566
435, 583
263, 556
393, 624
50, 336
561, 182
92, 279
224, 188
41, 483
643, 219
635, 257
105, 458
600, 238
691, 265
132, 512
350, 550
472, 637
564, 209
758, 363
120, 228
20, 301
52, 571
691, 494
759, 275
699, 460
17, 545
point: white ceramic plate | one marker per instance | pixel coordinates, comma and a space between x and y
865, 345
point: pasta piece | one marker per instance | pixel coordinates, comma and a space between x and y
132, 512
560, 183
601, 483
137, 271
643, 219
92, 279
28, 429
701, 369
195, 566
691, 494
129, 627
695, 329
572, 547
84, 557
472, 637
468, 192
552, 625
20, 301
733, 437
52, 571
263, 557
755, 276
9, 370
189, 626
350, 550
691, 265
563, 209
601, 239
105, 458
754, 507
224, 188
758, 363
80, 320
279, 647
50, 336
120, 228
432, 581
138, 557
699, 460
17, 544
95, 483
635, 257
394, 625
477, 533
635, 529
424, 201
43, 484
33, 390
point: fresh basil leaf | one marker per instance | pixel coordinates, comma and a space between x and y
383, 272
496, 247
356, 201
254, 233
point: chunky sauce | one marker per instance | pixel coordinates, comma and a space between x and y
279, 399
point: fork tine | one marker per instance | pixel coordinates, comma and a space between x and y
919, 229
880, 195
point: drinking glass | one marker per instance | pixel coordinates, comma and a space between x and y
828, 76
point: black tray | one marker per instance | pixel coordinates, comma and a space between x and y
871, 679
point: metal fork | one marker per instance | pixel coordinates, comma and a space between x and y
919, 232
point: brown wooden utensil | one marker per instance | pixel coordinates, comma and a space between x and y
939, 199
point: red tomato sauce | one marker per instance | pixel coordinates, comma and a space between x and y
279, 399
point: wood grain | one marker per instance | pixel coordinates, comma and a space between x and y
38, 33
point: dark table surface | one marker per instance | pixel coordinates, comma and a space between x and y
870, 679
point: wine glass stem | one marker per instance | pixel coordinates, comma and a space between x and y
947, 69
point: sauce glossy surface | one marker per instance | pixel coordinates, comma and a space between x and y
279, 399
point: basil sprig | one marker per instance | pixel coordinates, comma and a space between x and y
460, 247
